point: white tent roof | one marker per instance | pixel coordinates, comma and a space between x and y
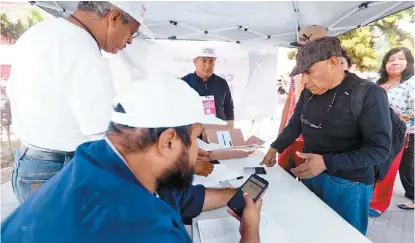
234, 21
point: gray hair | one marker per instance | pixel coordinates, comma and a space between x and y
101, 8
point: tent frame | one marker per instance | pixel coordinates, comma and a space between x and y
259, 36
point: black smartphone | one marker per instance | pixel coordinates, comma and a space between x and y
254, 186
215, 162
255, 170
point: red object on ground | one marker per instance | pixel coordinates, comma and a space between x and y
382, 194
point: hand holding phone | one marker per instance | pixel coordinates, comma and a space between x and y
254, 187
250, 217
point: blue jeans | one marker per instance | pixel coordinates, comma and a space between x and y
30, 173
349, 199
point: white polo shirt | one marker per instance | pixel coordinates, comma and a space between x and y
60, 87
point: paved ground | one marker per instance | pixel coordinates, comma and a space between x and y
395, 225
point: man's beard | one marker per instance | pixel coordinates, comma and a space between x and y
180, 175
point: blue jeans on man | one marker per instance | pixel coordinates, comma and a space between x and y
348, 198
30, 173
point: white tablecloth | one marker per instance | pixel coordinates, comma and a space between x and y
301, 216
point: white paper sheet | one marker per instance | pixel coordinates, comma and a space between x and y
219, 174
224, 138
226, 230
210, 146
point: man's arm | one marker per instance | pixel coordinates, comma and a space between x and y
90, 96
285, 111
217, 198
231, 124
229, 109
375, 125
291, 132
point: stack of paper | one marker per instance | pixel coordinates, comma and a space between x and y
210, 146
219, 175
226, 230
220, 147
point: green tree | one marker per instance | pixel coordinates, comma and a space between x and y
12, 31
360, 43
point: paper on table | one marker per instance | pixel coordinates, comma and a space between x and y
210, 146
226, 230
219, 173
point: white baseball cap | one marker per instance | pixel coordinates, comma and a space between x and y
207, 52
137, 10
161, 101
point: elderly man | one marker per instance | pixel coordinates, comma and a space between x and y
288, 159
61, 89
134, 186
215, 94
213, 90
339, 152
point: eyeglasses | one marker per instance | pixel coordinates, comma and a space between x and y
307, 122
135, 34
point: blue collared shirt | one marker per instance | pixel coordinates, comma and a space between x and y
96, 198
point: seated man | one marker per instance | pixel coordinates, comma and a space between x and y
112, 190
340, 151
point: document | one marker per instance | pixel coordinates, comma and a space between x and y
226, 230
224, 138
208, 147
220, 173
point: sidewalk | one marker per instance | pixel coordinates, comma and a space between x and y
394, 226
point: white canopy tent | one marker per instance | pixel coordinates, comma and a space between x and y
249, 68
275, 22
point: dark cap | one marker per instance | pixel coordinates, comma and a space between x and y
314, 51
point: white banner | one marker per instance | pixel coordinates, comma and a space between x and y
251, 72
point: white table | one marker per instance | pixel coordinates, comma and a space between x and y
301, 216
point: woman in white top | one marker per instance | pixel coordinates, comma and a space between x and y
397, 78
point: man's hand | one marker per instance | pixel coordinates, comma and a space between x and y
313, 166
203, 166
270, 158
249, 227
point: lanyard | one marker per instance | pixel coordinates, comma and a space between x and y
87, 29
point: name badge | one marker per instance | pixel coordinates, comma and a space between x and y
209, 105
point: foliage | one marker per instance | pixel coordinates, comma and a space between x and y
360, 43
12, 31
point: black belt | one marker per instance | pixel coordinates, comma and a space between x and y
43, 155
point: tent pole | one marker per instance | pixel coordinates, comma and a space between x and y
342, 28
49, 6
381, 13
343, 18
284, 34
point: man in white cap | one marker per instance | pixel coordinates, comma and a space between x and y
60, 87
215, 94
134, 186
214, 90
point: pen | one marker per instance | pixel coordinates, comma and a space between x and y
237, 178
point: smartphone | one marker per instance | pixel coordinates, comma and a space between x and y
254, 186
215, 162
255, 170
